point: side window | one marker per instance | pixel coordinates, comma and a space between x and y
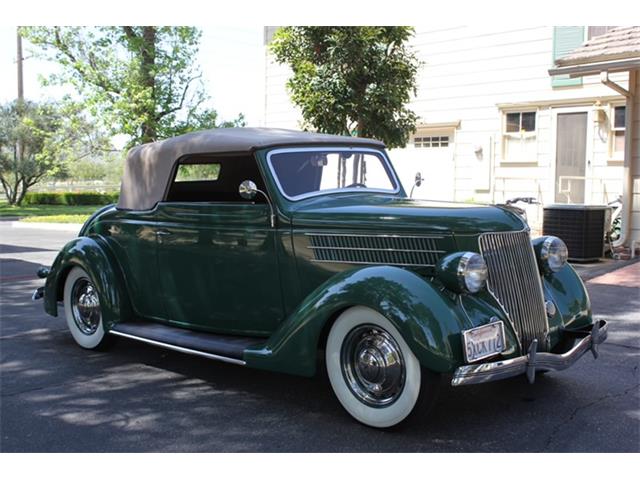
198, 172
213, 179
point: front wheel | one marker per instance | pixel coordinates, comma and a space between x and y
372, 370
82, 310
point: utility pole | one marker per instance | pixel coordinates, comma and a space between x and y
20, 81
20, 105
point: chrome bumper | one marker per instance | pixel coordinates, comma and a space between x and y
534, 360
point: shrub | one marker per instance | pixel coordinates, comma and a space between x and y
70, 198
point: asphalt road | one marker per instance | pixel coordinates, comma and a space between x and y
56, 397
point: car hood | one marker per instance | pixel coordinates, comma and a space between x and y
392, 214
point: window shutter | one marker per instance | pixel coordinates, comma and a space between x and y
566, 39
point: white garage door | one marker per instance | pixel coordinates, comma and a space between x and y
432, 154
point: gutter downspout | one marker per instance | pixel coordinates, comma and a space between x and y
627, 182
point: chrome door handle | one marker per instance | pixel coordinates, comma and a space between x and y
163, 233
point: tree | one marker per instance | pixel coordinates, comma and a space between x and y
41, 140
140, 81
352, 80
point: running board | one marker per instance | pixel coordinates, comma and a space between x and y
225, 348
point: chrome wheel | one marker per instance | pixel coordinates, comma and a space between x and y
373, 366
85, 306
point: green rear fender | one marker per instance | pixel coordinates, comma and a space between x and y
95, 258
429, 321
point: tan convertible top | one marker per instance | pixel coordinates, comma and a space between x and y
148, 167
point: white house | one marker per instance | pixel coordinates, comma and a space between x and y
494, 124
618, 50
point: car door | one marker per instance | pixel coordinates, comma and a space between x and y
217, 254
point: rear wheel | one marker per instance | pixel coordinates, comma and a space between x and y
372, 370
83, 311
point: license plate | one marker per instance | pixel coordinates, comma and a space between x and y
483, 342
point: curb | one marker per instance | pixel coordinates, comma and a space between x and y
66, 227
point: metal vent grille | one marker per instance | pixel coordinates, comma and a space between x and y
413, 251
515, 282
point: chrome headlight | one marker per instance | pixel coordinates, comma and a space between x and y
463, 272
552, 253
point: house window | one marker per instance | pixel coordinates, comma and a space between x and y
431, 142
597, 31
617, 131
521, 122
519, 137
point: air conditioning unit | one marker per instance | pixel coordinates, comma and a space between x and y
581, 227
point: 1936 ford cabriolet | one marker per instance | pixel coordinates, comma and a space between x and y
270, 248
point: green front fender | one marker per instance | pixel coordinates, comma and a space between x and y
429, 320
573, 307
94, 257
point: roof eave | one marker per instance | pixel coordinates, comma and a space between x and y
595, 68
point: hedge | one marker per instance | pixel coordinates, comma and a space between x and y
70, 198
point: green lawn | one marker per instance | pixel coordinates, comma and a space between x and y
49, 213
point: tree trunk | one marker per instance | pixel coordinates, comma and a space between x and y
9, 192
23, 192
147, 71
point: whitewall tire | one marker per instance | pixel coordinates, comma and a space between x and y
82, 310
372, 370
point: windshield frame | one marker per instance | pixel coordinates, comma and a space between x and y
381, 153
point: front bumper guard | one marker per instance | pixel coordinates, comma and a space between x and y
534, 360
38, 293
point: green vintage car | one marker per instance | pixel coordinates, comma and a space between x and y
275, 249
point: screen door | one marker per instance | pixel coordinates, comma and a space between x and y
571, 153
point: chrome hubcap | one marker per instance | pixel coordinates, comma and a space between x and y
372, 366
85, 306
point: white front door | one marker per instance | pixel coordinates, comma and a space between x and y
431, 154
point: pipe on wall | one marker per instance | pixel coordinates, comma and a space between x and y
627, 181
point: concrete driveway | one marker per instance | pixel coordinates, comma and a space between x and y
56, 397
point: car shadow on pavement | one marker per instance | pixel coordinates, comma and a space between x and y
21, 249
134, 397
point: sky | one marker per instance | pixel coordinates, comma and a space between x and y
231, 59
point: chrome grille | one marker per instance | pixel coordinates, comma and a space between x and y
515, 282
414, 251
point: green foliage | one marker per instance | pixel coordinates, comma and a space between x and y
43, 140
352, 80
70, 198
140, 81
7, 210
28, 133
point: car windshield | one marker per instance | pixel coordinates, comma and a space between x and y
307, 172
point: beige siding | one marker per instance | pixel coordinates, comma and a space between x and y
635, 160
279, 111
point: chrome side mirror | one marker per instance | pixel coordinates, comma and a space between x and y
416, 183
248, 190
